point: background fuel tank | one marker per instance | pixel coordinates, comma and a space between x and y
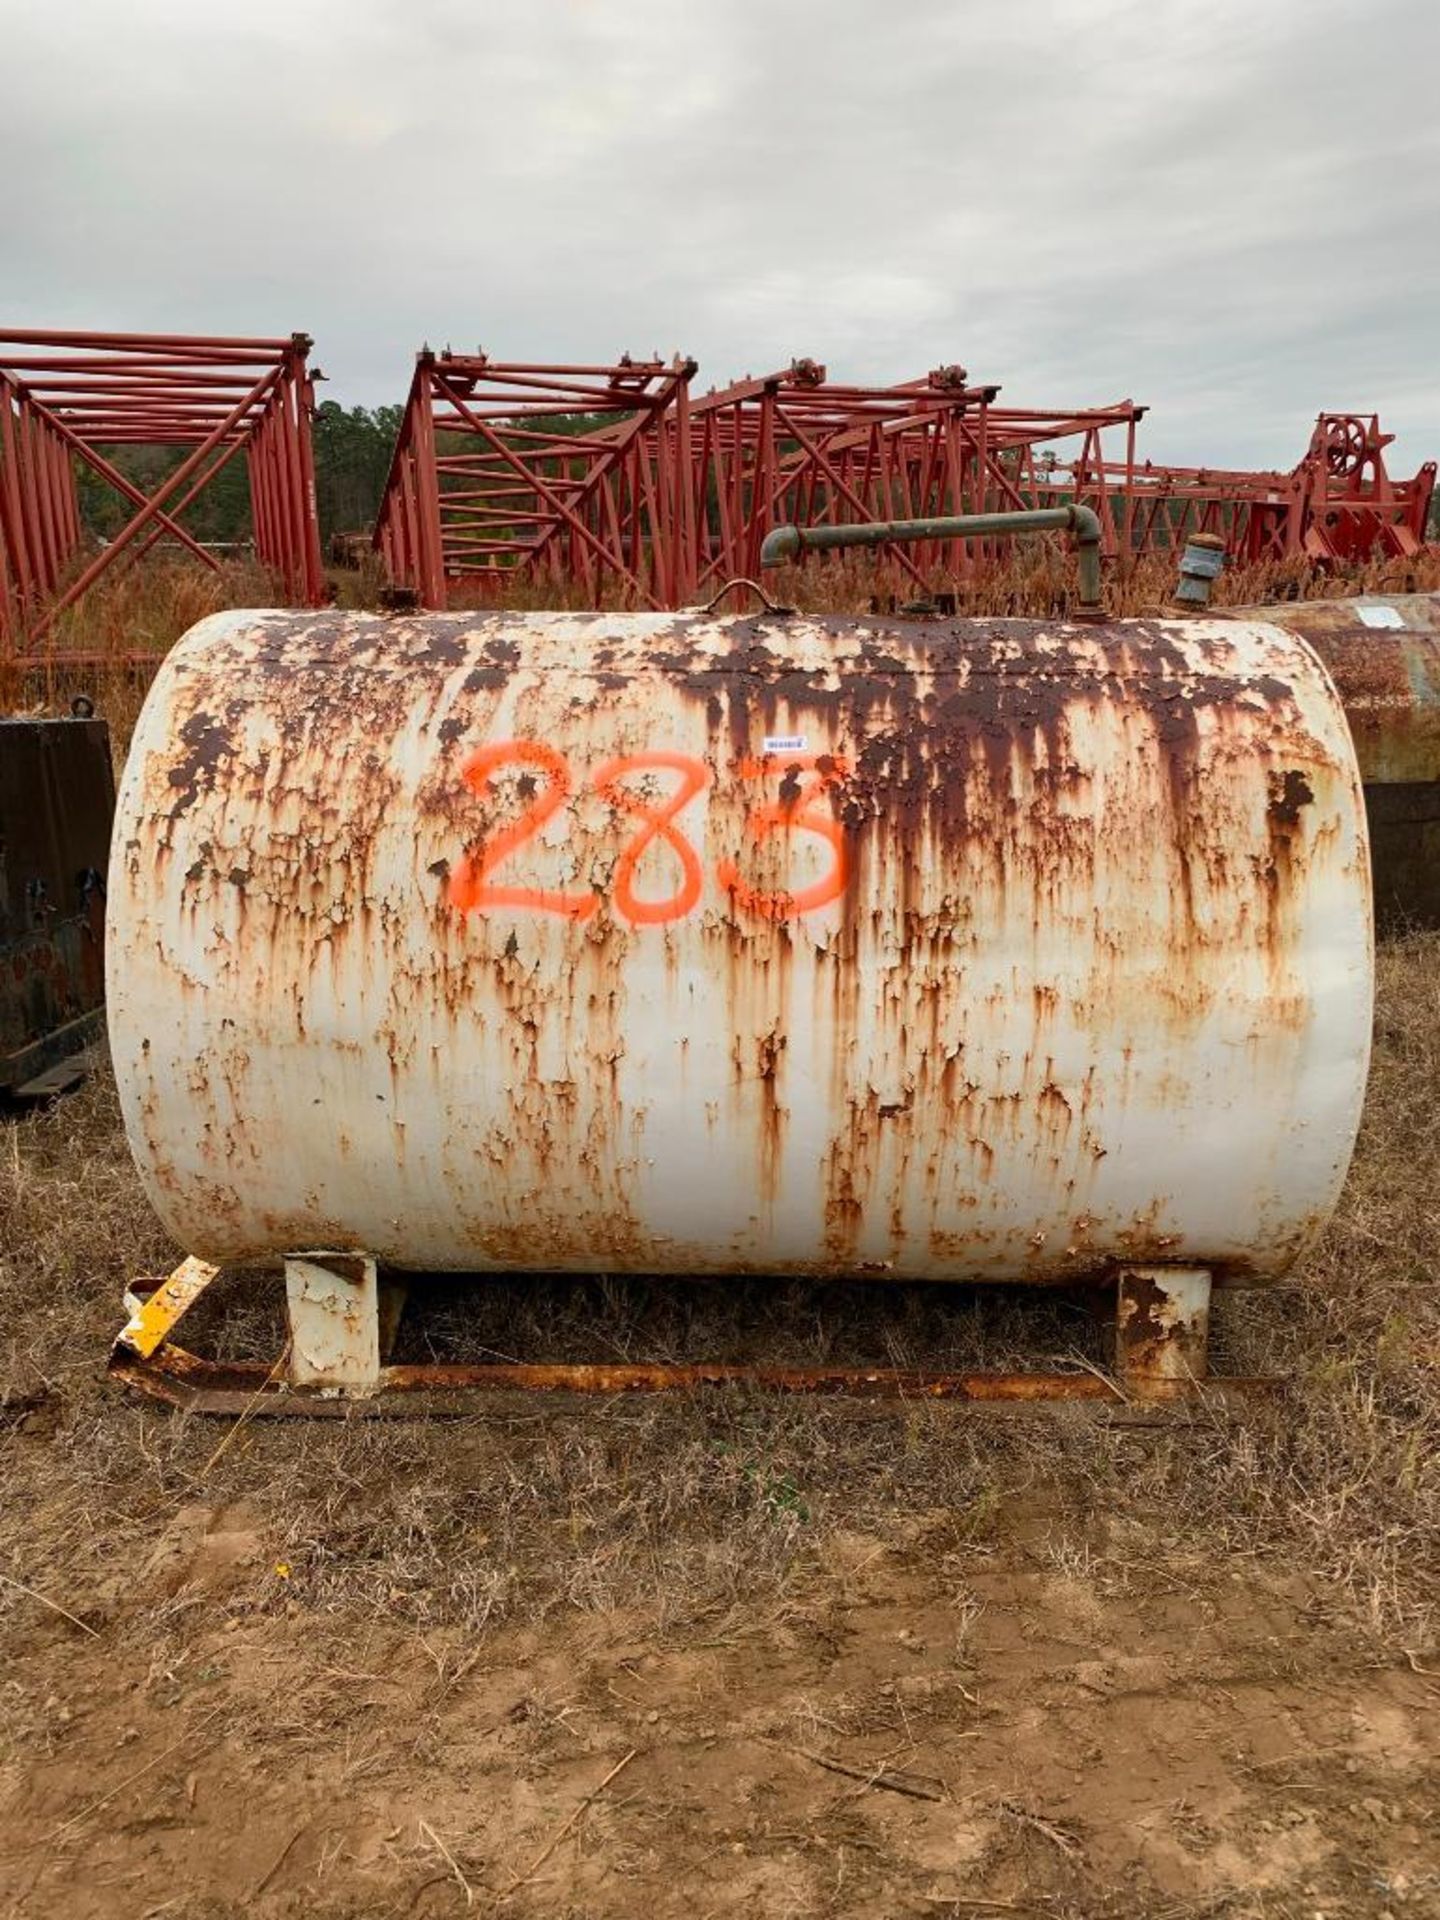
1383, 652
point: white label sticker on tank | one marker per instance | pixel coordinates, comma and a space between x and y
1380, 616
786, 742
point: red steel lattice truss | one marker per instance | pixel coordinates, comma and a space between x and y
794, 448
1338, 504
599, 480
68, 397
576, 475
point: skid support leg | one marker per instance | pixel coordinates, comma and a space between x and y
333, 1300
393, 1295
1162, 1329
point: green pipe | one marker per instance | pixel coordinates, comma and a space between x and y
788, 543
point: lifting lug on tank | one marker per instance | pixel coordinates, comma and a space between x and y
752, 586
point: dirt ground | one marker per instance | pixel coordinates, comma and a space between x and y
729, 1653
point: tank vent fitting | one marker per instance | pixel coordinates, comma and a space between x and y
1200, 564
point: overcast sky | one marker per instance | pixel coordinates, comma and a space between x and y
1230, 211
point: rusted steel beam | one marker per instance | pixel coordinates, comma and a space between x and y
133, 659
850, 1382
149, 511
113, 477
145, 1357
182, 1379
196, 345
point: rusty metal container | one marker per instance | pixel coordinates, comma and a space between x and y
1383, 653
57, 795
675, 944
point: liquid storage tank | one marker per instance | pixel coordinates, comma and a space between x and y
1383, 653
674, 944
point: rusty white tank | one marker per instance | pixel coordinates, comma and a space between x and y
1383, 653
672, 944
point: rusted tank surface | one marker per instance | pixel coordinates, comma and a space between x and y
57, 794
1383, 652
673, 944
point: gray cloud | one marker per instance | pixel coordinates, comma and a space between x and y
1230, 211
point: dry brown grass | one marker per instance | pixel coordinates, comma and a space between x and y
690, 1507
1037, 579
130, 621
712, 1507
136, 618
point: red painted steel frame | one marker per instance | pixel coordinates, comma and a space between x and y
596, 480
1338, 504
68, 396
576, 476
611, 481
792, 447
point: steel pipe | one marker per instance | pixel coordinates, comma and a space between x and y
788, 543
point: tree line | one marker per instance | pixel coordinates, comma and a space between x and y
352, 445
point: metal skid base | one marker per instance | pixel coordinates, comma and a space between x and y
343, 1318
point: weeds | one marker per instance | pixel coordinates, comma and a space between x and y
694, 1507
109, 646
691, 1507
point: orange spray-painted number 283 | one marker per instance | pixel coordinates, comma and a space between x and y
471, 888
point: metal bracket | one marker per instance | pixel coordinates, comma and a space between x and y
333, 1303
1162, 1328
156, 1311
342, 1321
